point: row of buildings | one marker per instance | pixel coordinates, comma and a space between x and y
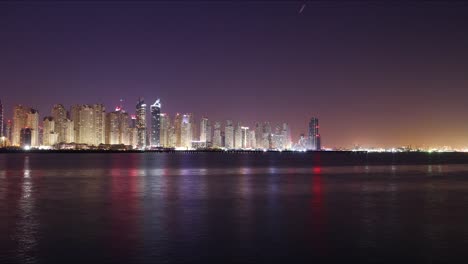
91, 125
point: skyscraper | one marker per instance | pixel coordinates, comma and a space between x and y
314, 135
238, 136
75, 117
209, 137
204, 129
229, 135
1, 120
19, 122
217, 135
244, 137
266, 135
186, 129
141, 123
59, 114
287, 143
156, 123
178, 130
32, 122
164, 130
49, 136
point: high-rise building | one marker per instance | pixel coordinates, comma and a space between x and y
91, 122
100, 123
217, 135
204, 129
172, 137
32, 122
266, 135
287, 143
229, 135
238, 136
60, 116
277, 140
252, 140
25, 137
8, 128
186, 130
164, 130
258, 135
314, 135
156, 123
19, 122
244, 137
75, 117
49, 137
112, 128
1, 120
141, 123
209, 137
69, 131
178, 130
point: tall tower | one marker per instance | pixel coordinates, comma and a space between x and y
229, 135
49, 136
203, 129
164, 130
156, 123
186, 136
178, 130
141, 123
245, 137
217, 135
32, 122
59, 114
238, 136
19, 122
1, 119
314, 135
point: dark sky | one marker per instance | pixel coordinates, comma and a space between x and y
374, 73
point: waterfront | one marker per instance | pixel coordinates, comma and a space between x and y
232, 207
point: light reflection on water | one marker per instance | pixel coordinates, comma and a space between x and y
140, 208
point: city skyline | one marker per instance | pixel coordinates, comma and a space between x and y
372, 82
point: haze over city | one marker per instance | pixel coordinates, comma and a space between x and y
375, 74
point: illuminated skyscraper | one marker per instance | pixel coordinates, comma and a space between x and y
156, 124
252, 140
287, 143
178, 130
186, 129
164, 130
314, 135
238, 136
244, 137
204, 125
277, 140
141, 123
258, 135
112, 128
217, 135
1, 120
75, 117
209, 138
8, 128
19, 122
32, 122
100, 123
49, 137
266, 135
69, 130
229, 135
59, 114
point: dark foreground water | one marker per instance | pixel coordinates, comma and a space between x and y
224, 208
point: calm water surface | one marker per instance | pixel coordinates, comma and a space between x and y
181, 208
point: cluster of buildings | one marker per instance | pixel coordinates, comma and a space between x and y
90, 126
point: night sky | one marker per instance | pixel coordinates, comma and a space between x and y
374, 73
